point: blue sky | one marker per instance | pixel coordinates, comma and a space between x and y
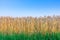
29, 7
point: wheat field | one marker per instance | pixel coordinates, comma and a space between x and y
9, 25
29, 24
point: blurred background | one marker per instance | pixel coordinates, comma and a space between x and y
33, 8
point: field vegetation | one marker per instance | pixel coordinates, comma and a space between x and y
30, 28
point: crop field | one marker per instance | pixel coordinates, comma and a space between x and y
30, 28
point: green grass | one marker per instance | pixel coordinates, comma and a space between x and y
33, 36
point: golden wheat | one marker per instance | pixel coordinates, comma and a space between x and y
29, 24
